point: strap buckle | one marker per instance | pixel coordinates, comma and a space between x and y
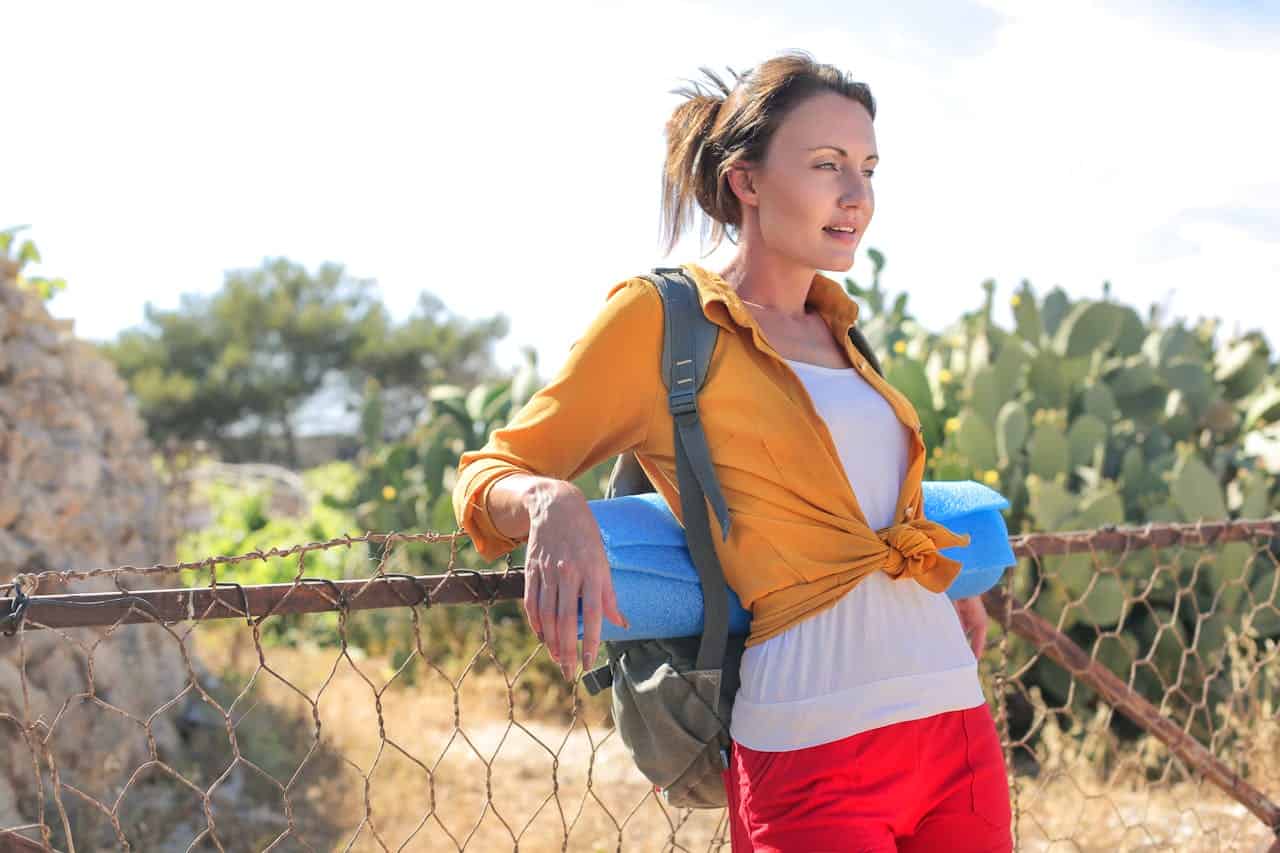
683, 402
597, 679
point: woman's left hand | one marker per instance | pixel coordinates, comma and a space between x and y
973, 619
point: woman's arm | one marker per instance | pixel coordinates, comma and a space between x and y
517, 487
973, 619
565, 562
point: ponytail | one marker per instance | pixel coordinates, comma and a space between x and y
691, 174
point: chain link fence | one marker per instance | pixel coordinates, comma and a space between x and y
1133, 674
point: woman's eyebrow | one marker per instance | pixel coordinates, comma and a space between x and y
842, 152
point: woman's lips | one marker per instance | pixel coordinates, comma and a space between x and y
847, 237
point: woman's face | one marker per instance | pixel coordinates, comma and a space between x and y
815, 183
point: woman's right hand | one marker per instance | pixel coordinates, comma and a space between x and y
564, 563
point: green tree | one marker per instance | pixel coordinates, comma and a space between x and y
430, 347
245, 359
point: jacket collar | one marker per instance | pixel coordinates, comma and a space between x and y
827, 297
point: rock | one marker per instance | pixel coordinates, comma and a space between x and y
77, 491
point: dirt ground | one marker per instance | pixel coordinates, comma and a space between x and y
326, 756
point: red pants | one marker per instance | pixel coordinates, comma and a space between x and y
936, 784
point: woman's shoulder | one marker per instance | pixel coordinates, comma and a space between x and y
637, 288
632, 302
630, 318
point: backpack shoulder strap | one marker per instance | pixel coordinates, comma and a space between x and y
627, 477
686, 352
688, 339
859, 341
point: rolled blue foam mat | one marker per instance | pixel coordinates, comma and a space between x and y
657, 585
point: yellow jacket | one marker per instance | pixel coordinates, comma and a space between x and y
798, 539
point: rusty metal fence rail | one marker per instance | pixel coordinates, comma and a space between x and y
1133, 672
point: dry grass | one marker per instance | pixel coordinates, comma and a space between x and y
496, 777
472, 762
1095, 792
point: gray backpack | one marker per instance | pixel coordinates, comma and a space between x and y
672, 699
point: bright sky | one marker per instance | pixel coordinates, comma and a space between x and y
506, 155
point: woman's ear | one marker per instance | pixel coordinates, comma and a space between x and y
742, 183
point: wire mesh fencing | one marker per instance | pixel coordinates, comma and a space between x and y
1133, 674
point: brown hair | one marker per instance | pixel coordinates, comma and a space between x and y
718, 127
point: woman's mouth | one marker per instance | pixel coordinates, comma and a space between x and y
842, 234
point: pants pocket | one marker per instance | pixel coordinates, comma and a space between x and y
989, 787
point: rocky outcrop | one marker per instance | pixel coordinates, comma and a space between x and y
78, 490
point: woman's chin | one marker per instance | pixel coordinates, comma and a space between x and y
837, 262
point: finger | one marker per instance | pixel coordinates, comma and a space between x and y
532, 592
547, 616
567, 592
610, 602
592, 612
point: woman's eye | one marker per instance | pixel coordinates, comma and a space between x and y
832, 165
870, 173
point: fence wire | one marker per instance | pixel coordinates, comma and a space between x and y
1133, 674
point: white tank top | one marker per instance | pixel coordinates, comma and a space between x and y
888, 650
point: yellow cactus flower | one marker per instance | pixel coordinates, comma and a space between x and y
388, 493
944, 376
1015, 300
952, 424
900, 347
991, 477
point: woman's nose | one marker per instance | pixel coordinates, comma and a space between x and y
854, 197
857, 191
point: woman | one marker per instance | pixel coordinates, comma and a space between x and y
860, 723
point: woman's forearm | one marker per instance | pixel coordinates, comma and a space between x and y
514, 499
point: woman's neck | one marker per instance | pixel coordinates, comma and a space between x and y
770, 282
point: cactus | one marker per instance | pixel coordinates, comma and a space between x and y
1263, 610
908, 376
1128, 340
1162, 642
1012, 425
1010, 364
1026, 315
1264, 408
1100, 402
1131, 377
1195, 490
1117, 652
1094, 416
1241, 366
984, 393
1192, 380
1047, 382
976, 440
1048, 451
1087, 438
1179, 420
1163, 346
1056, 305
1087, 328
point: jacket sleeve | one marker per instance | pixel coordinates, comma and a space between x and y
598, 405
